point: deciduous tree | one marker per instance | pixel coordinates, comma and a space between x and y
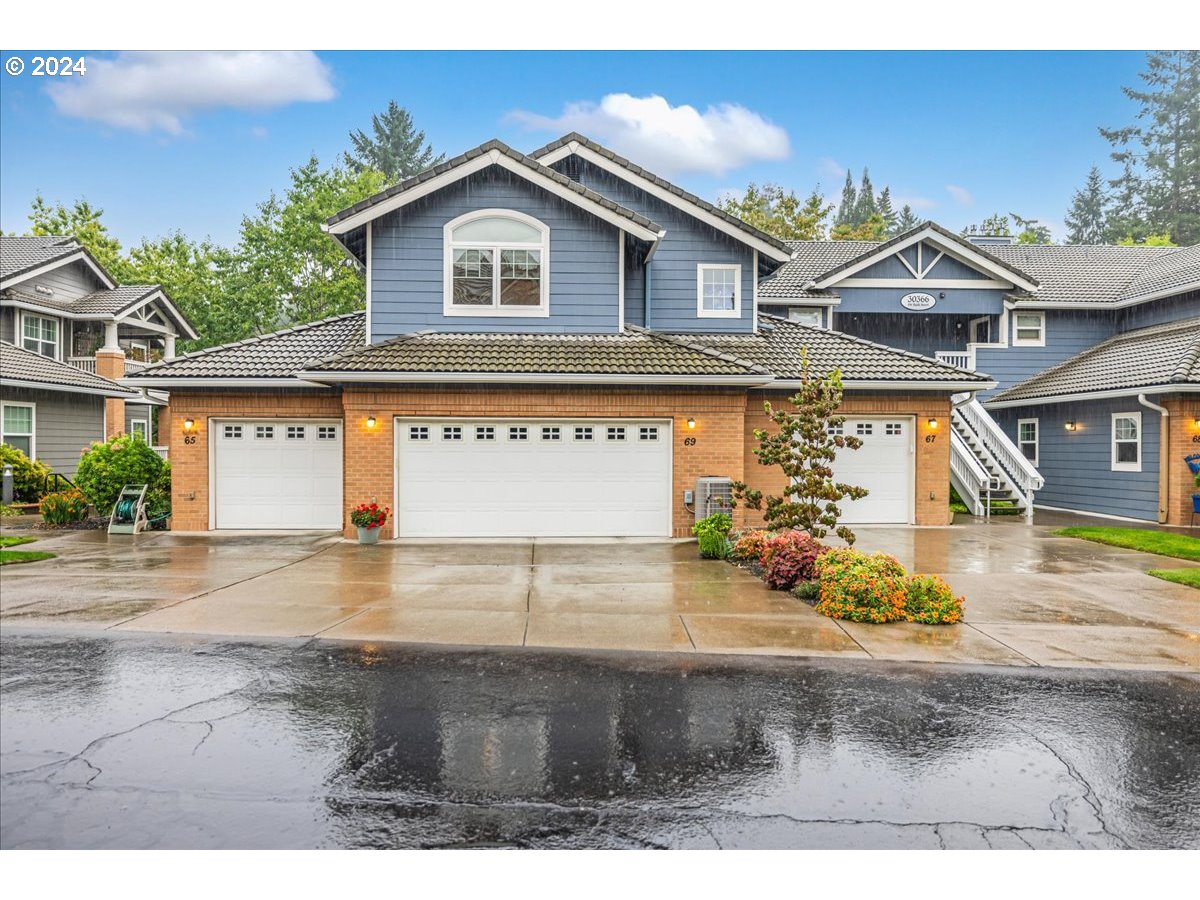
780, 212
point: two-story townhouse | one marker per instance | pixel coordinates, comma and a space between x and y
60, 305
1084, 342
556, 344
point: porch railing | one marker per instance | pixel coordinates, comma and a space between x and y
960, 359
88, 364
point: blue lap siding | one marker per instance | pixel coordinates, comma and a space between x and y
1077, 465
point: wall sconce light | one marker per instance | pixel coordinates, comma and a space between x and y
932, 423
1070, 426
370, 421
691, 423
1196, 423
189, 424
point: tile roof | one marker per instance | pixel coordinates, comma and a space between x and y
575, 137
481, 150
779, 344
1171, 272
100, 303
1081, 273
634, 352
277, 355
20, 365
810, 259
19, 254
1160, 355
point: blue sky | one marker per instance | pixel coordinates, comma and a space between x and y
195, 141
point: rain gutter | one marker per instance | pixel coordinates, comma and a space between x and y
1164, 461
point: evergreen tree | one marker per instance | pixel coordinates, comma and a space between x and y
887, 211
865, 207
82, 222
907, 220
1161, 152
395, 148
848, 208
780, 213
1030, 231
994, 225
1087, 219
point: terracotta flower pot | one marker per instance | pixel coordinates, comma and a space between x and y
368, 535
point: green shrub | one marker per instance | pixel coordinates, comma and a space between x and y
29, 475
808, 591
8, 511
861, 587
712, 533
930, 600
109, 466
64, 508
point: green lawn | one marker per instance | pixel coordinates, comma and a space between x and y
12, 557
1163, 543
1190, 577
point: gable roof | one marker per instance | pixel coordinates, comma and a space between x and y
959, 246
24, 368
104, 304
1163, 357
810, 259
260, 360
490, 153
1100, 275
780, 343
22, 256
575, 143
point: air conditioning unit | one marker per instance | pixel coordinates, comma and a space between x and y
713, 495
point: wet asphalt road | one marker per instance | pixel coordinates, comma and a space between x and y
136, 742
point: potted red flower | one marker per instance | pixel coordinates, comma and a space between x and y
368, 518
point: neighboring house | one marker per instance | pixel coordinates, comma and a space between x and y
560, 344
1067, 333
52, 411
57, 302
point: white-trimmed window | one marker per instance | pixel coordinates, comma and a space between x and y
324, 433
264, 432
40, 334
1127, 442
140, 429
1027, 439
497, 264
16, 427
232, 432
296, 432
551, 433
719, 291
807, 315
1029, 329
451, 432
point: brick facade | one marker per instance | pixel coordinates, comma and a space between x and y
111, 364
1183, 438
720, 444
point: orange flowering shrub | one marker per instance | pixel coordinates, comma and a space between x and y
861, 587
931, 601
750, 544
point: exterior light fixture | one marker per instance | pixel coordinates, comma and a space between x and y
691, 423
932, 423
1070, 426
189, 424
1197, 423
370, 421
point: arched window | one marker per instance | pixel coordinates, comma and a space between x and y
497, 264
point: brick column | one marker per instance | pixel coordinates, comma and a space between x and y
111, 364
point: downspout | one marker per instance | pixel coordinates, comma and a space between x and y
1164, 461
649, 282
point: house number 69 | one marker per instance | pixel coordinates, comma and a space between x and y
689, 442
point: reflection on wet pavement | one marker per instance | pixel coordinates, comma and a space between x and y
139, 741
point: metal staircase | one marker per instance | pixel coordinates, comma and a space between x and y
985, 466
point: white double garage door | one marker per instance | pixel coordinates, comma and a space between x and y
465, 477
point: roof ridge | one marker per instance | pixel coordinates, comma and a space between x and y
707, 351
1187, 361
196, 354
900, 351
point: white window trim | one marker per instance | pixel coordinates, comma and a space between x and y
795, 310
542, 310
736, 312
145, 423
58, 333
1040, 340
1126, 466
32, 407
1037, 439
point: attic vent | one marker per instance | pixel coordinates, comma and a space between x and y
570, 167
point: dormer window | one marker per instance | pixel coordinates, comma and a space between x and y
497, 264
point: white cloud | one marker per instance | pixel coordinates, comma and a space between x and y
670, 139
156, 91
828, 167
960, 194
260, 132
914, 201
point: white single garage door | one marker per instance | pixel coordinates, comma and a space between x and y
277, 473
883, 465
533, 477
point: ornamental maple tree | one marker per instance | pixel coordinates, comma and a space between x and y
807, 441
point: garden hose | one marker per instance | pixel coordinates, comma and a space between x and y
125, 509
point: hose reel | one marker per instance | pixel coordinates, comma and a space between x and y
129, 512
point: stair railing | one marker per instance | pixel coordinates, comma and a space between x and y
1020, 472
970, 476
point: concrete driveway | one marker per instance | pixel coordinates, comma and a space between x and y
1032, 598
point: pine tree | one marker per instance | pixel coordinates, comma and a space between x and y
1162, 151
1087, 219
1126, 213
395, 148
886, 210
865, 207
847, 209
907, 220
